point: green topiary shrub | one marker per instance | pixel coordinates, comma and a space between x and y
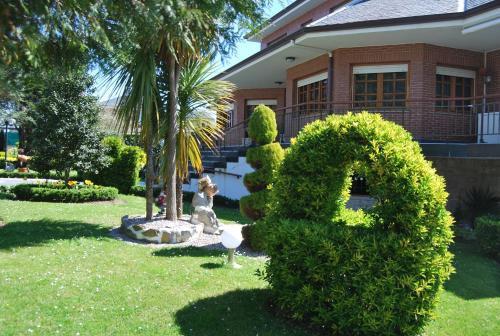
264, 159
376, 272
124, 169
58, 192
488, 235
262, 125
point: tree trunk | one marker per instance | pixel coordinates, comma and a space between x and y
170, 141
178, 193
150, 175
66, 177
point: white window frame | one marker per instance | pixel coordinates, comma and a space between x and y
312, 79
455, 72
268, 102
367, 69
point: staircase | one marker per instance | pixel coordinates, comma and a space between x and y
212, 160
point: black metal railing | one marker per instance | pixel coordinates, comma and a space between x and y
467, 120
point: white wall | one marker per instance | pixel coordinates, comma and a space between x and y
229, 186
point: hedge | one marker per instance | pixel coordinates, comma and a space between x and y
126, 164
352, 272
58, 192
488, 235
18, 174
34, 174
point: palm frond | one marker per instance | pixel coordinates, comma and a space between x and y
137, 108
202, 114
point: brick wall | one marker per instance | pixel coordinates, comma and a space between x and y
494, 70
303, 70
422, 60
241, 96
314, 14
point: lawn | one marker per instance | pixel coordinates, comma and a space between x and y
61, 273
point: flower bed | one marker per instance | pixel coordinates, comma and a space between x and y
59, 192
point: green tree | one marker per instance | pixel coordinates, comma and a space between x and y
65, 136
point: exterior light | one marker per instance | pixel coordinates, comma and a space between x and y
278, 82
231, 238
290, 59
487, 79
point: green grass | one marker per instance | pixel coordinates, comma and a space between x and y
61, 273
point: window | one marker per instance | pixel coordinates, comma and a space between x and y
380, 86
312, 93
453, 84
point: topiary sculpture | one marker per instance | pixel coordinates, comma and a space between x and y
264, 158
376, 272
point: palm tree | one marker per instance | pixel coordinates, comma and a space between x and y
201, 117
137, 109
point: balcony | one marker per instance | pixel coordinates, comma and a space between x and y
444, 120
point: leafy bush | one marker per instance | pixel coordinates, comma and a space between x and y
262, 125
58, 192
480, 201
113, 145
488, 235
264, 159
353, 272
5, 193
124, 169
141, 191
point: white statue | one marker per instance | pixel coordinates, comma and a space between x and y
203, 201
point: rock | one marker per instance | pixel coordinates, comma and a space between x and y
165, 237
137, 227
150, 233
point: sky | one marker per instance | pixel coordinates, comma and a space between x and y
243, 50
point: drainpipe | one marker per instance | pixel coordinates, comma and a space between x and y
329, 86
485, 64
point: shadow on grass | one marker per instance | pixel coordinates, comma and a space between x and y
476, 277
190, 251
240, 312
37, 232
212, 265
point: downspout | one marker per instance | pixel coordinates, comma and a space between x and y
485, 64
329, 84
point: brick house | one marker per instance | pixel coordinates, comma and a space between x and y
431, 66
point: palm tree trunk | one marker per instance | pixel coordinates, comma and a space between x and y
178, 193
170, 141
150, 175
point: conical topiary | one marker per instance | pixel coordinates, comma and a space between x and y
264, 158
